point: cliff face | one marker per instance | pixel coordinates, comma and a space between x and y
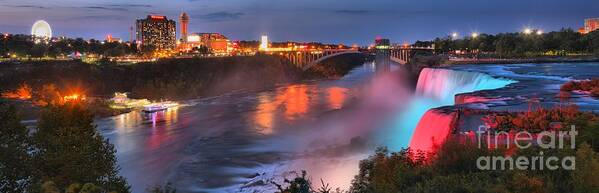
336, 67
170, 78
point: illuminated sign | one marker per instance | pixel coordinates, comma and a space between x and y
157, 17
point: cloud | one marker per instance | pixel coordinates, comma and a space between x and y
353, 11
97, 17
131, 5
220, 16
110, 8
27, 6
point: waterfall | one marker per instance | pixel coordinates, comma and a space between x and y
418, 126
443, 84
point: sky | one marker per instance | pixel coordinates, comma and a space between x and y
341, 21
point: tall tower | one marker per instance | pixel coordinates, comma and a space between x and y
131, 34
184, 20
263, 43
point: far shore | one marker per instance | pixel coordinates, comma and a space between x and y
520, 60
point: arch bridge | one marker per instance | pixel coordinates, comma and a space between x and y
308, 58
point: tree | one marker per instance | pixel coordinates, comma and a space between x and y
38, 50
69, 150
587, 165
14, 147
168, 188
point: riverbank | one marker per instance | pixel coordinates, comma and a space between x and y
520, 60
166, 79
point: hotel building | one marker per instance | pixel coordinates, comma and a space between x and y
156, 31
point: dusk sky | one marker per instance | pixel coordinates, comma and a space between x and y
347, 21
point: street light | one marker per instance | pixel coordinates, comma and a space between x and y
474, 35
527, 31
454, 35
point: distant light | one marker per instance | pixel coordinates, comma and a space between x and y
527, 31
474, 35
539, 32
41, 29
454, 35
157, 16
193, 38
264, 43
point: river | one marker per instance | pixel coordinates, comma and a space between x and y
243, 141
220, 143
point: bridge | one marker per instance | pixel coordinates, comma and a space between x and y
307, 58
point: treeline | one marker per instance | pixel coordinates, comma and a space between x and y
555, 43
169, 78
63, 153
25, 46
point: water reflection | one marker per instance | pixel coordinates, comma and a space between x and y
296, 100
128, 120
265, 112
293, 102
336, 97
158, 122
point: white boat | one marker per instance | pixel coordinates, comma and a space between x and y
160, 106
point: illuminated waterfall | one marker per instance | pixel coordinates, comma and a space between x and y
418, 126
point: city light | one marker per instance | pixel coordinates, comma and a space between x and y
264, 43
475, 34
539, 32
41, 29
454, 35
73, 98
527, 31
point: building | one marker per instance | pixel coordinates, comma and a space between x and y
383, 54
263, 43
156, 31
111, 39
591, 24
184, 21
215, 42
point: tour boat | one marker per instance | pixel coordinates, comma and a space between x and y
160, 106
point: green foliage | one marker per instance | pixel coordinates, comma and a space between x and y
300, 184
585, 178
50, 187
168, 188
24, 45
15, 170
453, 170
69, 150
565, 41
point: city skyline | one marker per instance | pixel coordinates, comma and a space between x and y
322, 21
